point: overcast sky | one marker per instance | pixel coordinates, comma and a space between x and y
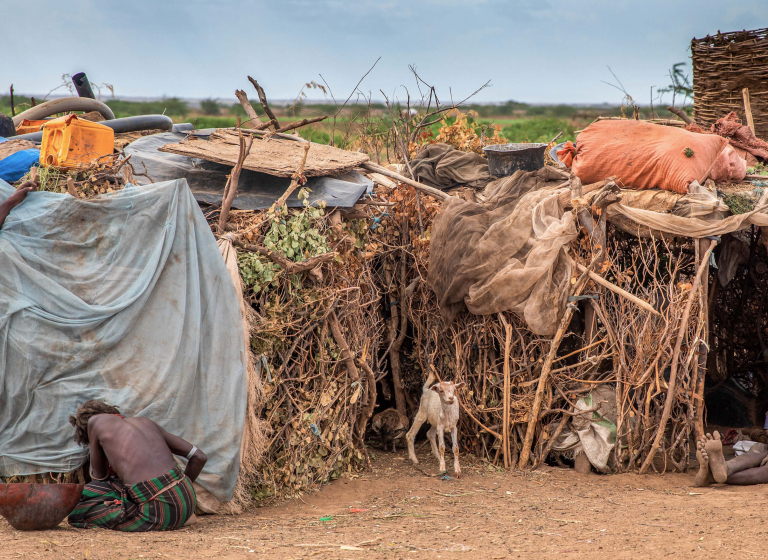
540, 51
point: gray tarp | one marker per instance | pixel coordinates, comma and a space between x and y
123, 297
255, 191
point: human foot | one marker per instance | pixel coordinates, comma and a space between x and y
704, 476
714, 448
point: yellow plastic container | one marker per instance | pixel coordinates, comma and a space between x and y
28, 126
72, 142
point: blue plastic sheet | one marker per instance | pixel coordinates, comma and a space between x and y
123, 297
15, 166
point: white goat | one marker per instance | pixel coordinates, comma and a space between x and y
439, 407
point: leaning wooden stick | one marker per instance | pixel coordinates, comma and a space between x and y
264, 104
296, 180
431, 191
748, 110
299, 124
660, 431
547, 367
253, 119
680, 113
505, 416
615, 289
229, 197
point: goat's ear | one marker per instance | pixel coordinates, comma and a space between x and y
436, 387
460, 385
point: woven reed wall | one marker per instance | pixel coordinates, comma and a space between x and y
723, 65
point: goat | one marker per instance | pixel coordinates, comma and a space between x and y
390, 425
439, 407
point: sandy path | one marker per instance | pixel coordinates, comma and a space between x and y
486, 514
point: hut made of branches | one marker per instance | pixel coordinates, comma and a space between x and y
723, 66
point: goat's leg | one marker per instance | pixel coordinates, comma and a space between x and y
420, 418
441, 447
432, 435
455, 440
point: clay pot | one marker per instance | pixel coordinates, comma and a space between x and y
36, 507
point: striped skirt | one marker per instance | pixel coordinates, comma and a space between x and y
160, 504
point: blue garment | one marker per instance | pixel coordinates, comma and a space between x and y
15, 166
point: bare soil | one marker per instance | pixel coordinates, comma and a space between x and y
485, 514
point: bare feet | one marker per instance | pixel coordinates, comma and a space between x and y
704, 476
714, 450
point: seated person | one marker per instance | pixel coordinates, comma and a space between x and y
137, 484
744, 470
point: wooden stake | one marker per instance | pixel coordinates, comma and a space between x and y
700, 363
675, 360
229, 196
253, 118
505, 427
431, 191
748, 110
547, 367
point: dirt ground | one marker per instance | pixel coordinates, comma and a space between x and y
396, 511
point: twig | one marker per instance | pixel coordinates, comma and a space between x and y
298, 124
253, 118
229, 197
264, 104
680, 113
290, 266
296, 180
615, 289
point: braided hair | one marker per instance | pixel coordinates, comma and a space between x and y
85, 412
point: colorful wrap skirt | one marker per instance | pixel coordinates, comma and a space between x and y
159, 504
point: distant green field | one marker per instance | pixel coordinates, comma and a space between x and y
519, 122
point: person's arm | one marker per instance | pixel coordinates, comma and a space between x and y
15, 199
182, 448
98, 457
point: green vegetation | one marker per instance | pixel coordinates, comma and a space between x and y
519, 122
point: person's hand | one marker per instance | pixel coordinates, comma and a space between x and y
764, 461
21, 193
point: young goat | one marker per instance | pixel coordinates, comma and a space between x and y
440, 408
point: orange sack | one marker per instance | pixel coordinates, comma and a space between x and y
642, 155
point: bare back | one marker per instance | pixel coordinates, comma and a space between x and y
136, 448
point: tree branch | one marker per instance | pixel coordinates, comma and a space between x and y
263, 99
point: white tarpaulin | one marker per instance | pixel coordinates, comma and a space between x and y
123, 297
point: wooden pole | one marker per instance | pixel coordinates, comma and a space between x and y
700, 365
253, 118
675, 360
229, 196
505, 427
547, 367
748, 110
13, 107
431, 191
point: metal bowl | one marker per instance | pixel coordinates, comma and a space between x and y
36, 507
505, 159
